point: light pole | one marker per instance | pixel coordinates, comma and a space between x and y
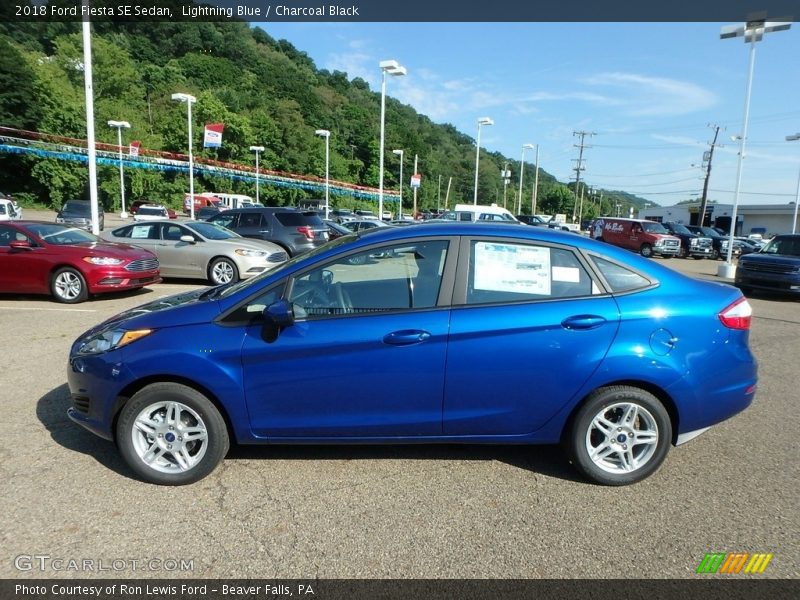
119, 125
535, 183
257, 149
392, 67
482, 121
752, 31
794, 138
521, 171
189, 99
327, 135
400, 205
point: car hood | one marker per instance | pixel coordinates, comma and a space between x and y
113, 250
771, 259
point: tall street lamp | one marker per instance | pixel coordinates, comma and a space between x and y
119, 125
521, 171
257, 149
327, 135
752, 31
189, 99
400, 205
794, 138
481, 122
392, 67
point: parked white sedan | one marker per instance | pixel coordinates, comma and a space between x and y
201, 250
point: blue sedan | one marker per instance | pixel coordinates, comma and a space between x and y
446, 327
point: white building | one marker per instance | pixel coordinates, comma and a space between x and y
769, 219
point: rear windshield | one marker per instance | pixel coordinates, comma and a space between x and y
152, 211
298, 219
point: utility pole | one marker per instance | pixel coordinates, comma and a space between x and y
447, 193
535, 183
704, 199
506, 175
416, 172
579, 167
439, 197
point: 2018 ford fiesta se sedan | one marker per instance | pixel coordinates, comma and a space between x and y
456, 332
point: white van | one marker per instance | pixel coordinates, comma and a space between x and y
478, 212
237, 200
9, 211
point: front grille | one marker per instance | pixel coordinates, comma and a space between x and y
81, 404
146, 264
277, 257
771, 268
672, 243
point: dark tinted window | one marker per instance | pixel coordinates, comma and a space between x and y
82, 208
298, 219
619, 278
251, 219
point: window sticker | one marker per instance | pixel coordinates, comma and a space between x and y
140, 232
512, 268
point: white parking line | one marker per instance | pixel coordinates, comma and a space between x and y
50, 309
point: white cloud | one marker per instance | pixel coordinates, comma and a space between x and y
655, 96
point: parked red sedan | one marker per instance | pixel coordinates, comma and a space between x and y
69, 263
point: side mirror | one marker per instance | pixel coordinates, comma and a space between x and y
188, 239
19, 245
277, 316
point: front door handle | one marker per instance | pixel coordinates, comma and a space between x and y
583, 322
406, 337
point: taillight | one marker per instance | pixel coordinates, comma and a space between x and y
306, 231
737, 315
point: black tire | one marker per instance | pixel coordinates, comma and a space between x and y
646, 250
715, 254
649, 421
68, 285
222, 270
197, 415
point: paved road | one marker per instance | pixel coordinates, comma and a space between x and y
390, 511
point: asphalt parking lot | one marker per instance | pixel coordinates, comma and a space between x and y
379, 512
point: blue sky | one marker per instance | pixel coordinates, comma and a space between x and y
649, 91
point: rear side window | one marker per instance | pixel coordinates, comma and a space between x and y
619, 278
248, 219
502, 272
299, 219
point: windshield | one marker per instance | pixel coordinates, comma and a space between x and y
246, 283
81, 208
784, 246
60, 235
681, 229
653, 227
212, 231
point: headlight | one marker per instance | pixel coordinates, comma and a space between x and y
244, 252
103, 260
111, 339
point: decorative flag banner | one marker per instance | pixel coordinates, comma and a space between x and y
134, 148
416, 179
213, 135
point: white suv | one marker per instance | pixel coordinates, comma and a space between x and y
151, 212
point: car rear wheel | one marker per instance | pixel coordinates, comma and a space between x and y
646, 250
621, 435
171, 434
222, 271
69, 286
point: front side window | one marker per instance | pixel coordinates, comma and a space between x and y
391, 278
502, 272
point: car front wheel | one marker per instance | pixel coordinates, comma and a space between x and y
171, 434
646, 250
69, 286
222, 271
621, 435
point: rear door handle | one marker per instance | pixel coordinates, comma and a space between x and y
406, 337
583, 322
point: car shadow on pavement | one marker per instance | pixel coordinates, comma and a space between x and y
51, 410
547, 460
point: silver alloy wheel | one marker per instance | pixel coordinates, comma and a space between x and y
222, 272
169, 437
622, 438
68, 285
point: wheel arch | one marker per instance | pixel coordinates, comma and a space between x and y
134, 387
661, 395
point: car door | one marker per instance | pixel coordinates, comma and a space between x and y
177, 257
366, 355
22, 270
529, 326
254, 224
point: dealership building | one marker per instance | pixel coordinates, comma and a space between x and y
766, 219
